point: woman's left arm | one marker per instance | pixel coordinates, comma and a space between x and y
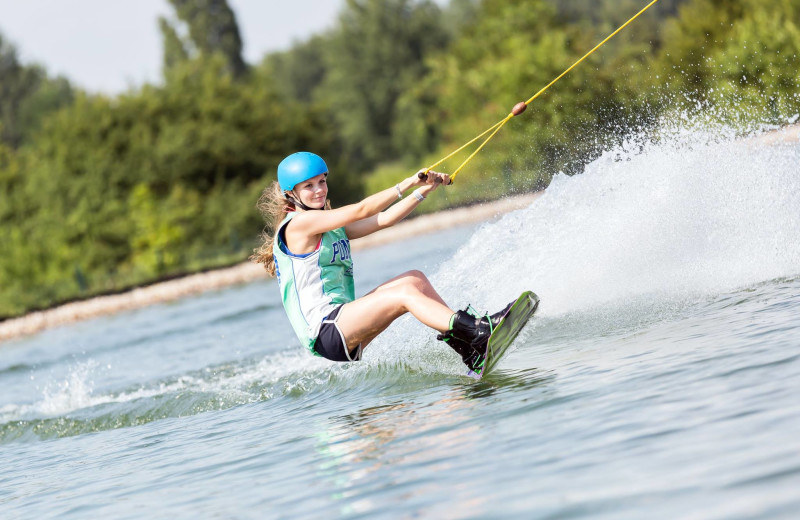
398, 211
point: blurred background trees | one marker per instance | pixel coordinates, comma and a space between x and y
100, 193
212, 29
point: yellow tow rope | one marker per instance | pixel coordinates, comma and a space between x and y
521, 106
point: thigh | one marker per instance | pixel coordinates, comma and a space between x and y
363, 319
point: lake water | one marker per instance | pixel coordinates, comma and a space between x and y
660, 378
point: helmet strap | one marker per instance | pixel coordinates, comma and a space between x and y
296, 201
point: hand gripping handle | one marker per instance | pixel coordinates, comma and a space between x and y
424, 176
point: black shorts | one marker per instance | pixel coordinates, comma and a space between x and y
331, 344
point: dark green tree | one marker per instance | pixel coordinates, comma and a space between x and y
299, 71
27, 96
376, 54
740, 54
16, 83
459, 14
700, 30
612, 12
174, 52
212, 28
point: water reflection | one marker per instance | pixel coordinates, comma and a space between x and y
396, 450
502, 381
414, 441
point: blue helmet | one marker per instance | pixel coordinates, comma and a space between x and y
299, 167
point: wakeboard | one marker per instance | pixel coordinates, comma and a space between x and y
506, 332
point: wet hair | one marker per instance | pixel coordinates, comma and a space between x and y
274, 206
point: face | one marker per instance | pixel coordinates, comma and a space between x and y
313, 192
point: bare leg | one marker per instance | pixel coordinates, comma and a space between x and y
363, 319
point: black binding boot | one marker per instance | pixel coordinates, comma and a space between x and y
470, 356
470, 334
473, 330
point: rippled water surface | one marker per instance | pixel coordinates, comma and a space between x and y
660, 378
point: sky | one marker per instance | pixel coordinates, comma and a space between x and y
112, 45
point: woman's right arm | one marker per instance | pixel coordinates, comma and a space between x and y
311, 223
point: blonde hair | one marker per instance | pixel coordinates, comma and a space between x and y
274, 206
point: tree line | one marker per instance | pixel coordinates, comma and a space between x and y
99, 193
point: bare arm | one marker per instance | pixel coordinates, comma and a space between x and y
397, 212
308, 225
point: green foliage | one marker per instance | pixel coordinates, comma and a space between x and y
121, 191
513, 48
375, 56
700, 29
741, 52
459, 14
99, 193
159, 239
300, 71
744, 60
758, 65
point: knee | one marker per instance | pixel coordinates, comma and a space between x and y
416, 280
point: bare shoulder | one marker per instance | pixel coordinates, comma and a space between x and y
297, 236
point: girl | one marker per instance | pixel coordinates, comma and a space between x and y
310, 254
